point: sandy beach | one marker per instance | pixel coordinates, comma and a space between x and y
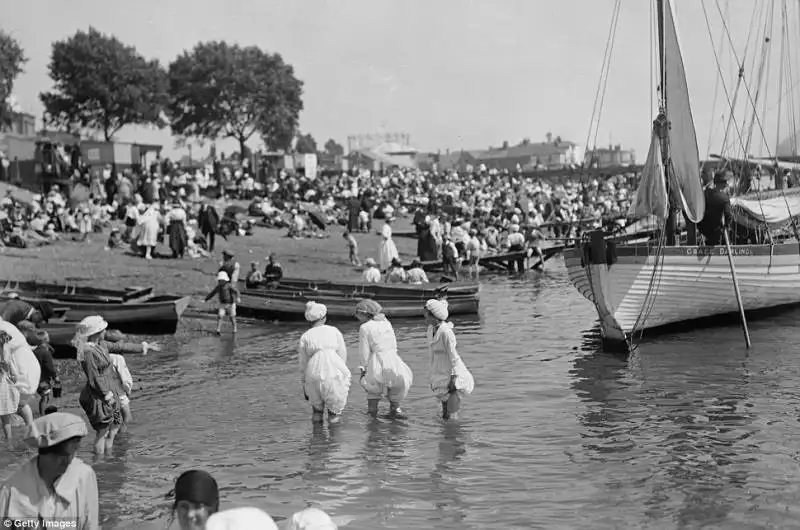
88, 263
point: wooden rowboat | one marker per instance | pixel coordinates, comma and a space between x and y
292, 306
68, 292
377, 291
154, 315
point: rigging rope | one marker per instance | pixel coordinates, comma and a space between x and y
713, 129
601, 84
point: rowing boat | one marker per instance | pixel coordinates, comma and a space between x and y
377, 291
292, 305
69, 292
153, 315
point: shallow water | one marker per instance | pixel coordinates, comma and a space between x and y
690, 432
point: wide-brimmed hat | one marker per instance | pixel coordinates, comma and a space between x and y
227, 253
92, 325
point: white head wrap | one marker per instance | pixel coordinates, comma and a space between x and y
311, 519
315, 311
437, 308
237, 518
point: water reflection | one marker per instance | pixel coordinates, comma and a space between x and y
444, 485
675, 421
111, 473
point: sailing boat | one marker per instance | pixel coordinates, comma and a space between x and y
635, 287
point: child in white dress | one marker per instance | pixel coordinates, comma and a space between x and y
450, 379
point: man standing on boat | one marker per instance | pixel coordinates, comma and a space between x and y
718, 209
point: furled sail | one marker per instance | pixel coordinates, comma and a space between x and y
683, 152
774, 212
651, 195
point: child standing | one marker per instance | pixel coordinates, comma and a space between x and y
126, 380
449, 257
40, 342
352, 246
227, 294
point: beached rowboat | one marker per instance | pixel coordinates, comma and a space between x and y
154, 315
69, 292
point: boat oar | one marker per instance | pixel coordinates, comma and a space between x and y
736, 289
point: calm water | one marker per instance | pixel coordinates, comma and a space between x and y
689, 432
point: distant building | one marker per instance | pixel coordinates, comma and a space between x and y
614, 156
383, 156
22, 124
554, 153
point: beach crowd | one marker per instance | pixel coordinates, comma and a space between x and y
187, 209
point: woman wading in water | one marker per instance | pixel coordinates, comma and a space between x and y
450, 378
383, 372
324, 375
100, 398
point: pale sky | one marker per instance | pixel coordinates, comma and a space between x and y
451, 73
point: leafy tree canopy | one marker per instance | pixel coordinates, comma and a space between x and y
12, 58
332, 147
306, 144
222, 90
104, 85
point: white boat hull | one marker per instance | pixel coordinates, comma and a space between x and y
632, 288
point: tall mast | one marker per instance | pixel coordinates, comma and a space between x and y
662, 125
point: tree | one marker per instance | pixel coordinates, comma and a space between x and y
12, 58
305, 144
333, 148
103, 85
222, 90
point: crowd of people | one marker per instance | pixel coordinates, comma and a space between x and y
458, 217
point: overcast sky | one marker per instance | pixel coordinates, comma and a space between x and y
452, 73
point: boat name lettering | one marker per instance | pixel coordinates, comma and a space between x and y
716, 251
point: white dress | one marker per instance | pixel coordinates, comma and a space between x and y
147, 228
445, 362
28, 369
371, 275
323, 367
386, 373
388, 250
